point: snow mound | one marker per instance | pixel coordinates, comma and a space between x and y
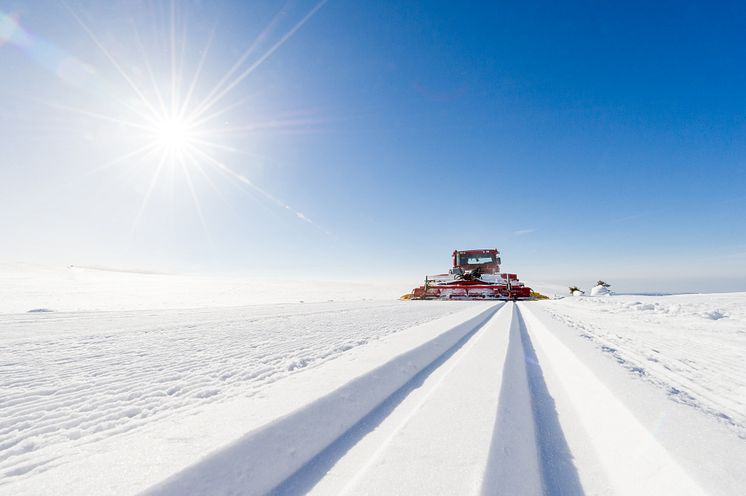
600, 291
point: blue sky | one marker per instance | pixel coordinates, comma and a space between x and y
583, 140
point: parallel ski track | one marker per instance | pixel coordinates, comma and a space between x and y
515, 445
487, 404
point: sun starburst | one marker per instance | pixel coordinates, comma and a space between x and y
177, 129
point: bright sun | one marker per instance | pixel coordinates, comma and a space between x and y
174, 135
177, 127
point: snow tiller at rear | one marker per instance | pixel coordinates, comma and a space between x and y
475, 276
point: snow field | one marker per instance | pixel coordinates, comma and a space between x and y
494, 418
73, 382
489, 398
614, 453
435, 439
691, 346
29, 288
502, 407
557, 426
264, 458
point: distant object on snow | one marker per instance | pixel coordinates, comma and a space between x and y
40, 310
601, 289
576, 291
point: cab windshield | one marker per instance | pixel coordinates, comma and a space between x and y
476, 258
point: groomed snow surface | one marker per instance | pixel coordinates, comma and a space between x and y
590, 395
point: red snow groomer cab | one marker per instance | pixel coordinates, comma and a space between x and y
475, 276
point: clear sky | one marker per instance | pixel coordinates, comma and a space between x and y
370, 139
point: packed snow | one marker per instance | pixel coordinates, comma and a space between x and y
101, 394
73, 379
691, 346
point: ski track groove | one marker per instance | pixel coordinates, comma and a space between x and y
432, 382
527, 432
